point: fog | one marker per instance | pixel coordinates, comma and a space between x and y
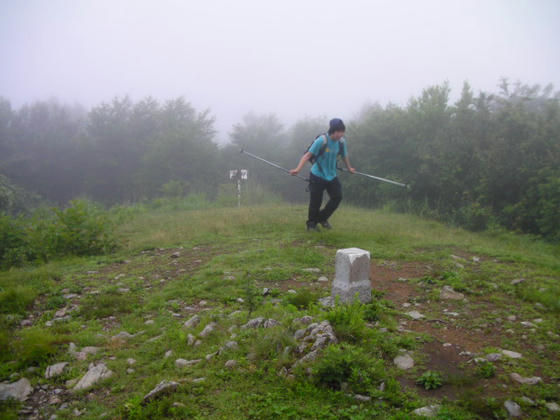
292, 58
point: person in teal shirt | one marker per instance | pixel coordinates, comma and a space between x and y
325, 149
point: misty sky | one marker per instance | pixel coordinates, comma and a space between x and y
289, 57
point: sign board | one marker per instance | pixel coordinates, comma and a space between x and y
238, 174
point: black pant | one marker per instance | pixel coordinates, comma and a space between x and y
317, 186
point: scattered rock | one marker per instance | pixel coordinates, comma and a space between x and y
208, 329
231, 363
323, 279
307, 319
130, 361
360, 397
552, 406
327, 302
527, 400
198, 380
533, 380
191, 339
527, 324
176, 254
123, 335
192, 322
415, 315
181, 363
493, 357
260, 322
512, 408
19, 390
447, 292
511, 318
55, 370
149, 322
90, 350
168, 353
311, 270
95, 374
231, 345
517, 281
512, 354
427, 411
163, 388
404, 361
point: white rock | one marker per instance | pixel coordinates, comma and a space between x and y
192, 322
552, 406
323, 279
493, 357
95, 374
19, 390
130, 361
191, 339
404, 361
415, 315
208, 329
512, 408
447, 292
55, 370
517, 281
231, 363
168, 353
311, 270
164, 387
533, 380
90, 350
527, 400
180, 363
428, 411
512, 354
149, 322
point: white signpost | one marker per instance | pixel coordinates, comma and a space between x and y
238, 175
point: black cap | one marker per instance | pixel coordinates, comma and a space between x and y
336, 124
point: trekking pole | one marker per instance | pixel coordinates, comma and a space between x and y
378, 178
271, 164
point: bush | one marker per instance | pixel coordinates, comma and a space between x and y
430, 380
485, 370
348, 321
302, 299
14, 249
348, 364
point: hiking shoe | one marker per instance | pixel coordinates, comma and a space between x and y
326, 225
312, 228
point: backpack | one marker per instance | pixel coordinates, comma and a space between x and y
314, 158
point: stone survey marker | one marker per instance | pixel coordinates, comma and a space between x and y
352, 268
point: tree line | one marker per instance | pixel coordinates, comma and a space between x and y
491, 158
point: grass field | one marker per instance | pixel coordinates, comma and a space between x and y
216, 263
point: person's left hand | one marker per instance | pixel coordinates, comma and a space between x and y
352, 170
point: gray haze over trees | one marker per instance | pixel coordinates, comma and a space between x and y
292, 58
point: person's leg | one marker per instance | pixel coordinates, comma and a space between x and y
316, 188
334, 189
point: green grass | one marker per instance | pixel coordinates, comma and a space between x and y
226, 257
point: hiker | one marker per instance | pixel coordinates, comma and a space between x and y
323, 154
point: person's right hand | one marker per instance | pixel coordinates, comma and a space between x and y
294, 172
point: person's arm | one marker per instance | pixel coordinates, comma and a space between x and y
302, 161
347, 161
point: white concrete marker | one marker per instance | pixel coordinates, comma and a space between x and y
352, 271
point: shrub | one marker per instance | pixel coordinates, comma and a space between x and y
349, 364
36, 346
486, 370
14, 249
302, 299
430, 380
348, 321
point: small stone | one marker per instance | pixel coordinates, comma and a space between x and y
208, 329
123, 335
231, 345
527, 400
130, 370
191, 339
527, 324
327, 302
176, 254
55, 370
19, 390
202, 303
552, 406
198, 380
149, 322
517, 281
168, 353
231, 363
323, 279
404, 361
447, 344
427, 411
92, 272
415, 315
164, 387
292, 292
512, 408
95, 374
90, 350
181, 363
493, 357
130, 361
360, 397
124, 289
447, 292
512, 354
511, 318
311, 270
533, 380
192, 322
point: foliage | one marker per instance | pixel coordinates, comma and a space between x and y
347, 321
430, 380
302, 299
486, 370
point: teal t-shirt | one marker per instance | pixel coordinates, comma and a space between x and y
325, 165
